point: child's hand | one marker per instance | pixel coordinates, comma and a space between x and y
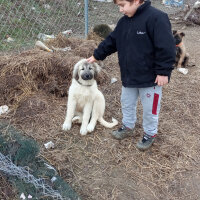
91, 59
161, 80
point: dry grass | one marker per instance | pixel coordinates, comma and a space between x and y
6, 190
34, 85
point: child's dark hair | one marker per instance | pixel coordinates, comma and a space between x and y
128, 1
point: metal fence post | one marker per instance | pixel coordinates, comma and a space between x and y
86, 17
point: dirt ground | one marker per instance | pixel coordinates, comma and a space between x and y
97, 166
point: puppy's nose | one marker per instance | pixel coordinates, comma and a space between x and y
87, 76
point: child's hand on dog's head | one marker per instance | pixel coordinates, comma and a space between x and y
91, 59
161, 80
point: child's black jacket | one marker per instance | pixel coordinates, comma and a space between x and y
145, 46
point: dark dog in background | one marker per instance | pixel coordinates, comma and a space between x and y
181, 56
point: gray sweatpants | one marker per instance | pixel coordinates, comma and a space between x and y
150, 98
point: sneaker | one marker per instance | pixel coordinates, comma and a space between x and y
122, 133
146, 142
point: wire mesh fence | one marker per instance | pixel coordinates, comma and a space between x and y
27, 171
23, 22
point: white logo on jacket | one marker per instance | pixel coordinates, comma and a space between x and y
141, 33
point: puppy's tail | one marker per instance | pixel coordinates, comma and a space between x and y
108, 124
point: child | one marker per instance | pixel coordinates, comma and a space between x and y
146, 53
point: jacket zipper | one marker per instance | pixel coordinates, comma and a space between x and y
127, 43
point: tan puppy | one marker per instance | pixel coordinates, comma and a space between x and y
181, 56
85, 102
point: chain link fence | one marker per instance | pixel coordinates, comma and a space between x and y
24, 21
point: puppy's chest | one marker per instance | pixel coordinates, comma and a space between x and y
83, 96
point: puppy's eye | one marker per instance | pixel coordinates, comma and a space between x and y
90, 68
82, 69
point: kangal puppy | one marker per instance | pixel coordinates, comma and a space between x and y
85, 102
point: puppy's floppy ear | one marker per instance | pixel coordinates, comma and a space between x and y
75, 71
182, 34
76, 68
97, 69
174, 32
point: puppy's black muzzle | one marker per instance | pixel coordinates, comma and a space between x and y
87, 76
177, 40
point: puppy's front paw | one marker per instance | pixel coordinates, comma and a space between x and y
83, 131
90, 128
66, 126
77, 118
